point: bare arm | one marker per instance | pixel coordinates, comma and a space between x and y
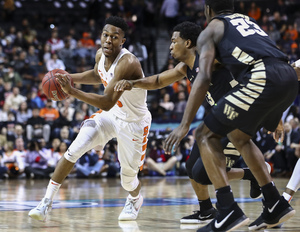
89, 76
127, 68
157, 81
206, 49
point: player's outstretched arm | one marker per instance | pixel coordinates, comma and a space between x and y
157, 81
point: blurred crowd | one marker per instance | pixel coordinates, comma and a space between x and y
38, 36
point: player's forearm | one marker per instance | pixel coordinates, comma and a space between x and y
87, 77
158, 81
149, 83
99, 101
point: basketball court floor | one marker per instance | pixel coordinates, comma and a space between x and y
95, 204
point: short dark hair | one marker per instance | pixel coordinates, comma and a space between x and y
219, 6
188, 30
117, 22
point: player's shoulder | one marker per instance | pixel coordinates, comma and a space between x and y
129, 59
181, 67
129, 67
214, 31
214, 26
98, 55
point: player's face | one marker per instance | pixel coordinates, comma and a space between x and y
178, 46
112, 40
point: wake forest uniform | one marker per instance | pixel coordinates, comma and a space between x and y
221, 82
128, 121
267, 83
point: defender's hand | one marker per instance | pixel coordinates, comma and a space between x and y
278, 134
123, 85
174, 138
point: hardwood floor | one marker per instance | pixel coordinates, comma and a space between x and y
95, 204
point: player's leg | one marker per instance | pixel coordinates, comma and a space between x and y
293, 184
229, 216
132, 143
200, 180
206, 212
233, 174
276, 209
255, 102
246, 174
90, 135
232, 156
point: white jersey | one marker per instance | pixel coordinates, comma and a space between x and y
132, 105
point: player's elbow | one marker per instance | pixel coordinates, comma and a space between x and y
107, 106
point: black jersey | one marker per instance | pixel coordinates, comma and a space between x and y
191, 74
221, 82
244, 43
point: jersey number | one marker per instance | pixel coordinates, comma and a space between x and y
243, 26
209, 99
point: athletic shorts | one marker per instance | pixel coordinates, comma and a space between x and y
132, 138
259, 99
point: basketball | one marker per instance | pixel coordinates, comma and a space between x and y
52, 88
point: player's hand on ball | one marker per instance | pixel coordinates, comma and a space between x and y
123, 85
65, 82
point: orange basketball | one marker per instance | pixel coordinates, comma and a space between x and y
52, 88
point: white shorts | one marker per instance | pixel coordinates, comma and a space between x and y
132, 139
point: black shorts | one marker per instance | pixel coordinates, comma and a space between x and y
259, 99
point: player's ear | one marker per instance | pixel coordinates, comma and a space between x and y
123, 41
207, 10
188, 43
210, 11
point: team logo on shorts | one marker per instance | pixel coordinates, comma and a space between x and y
230, 112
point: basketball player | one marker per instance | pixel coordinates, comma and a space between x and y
183, 48
258, 100
294, 182
121, 115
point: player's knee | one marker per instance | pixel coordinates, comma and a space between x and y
239, 140
70, 157
74, 152
189, 167
129, 183
200, 176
